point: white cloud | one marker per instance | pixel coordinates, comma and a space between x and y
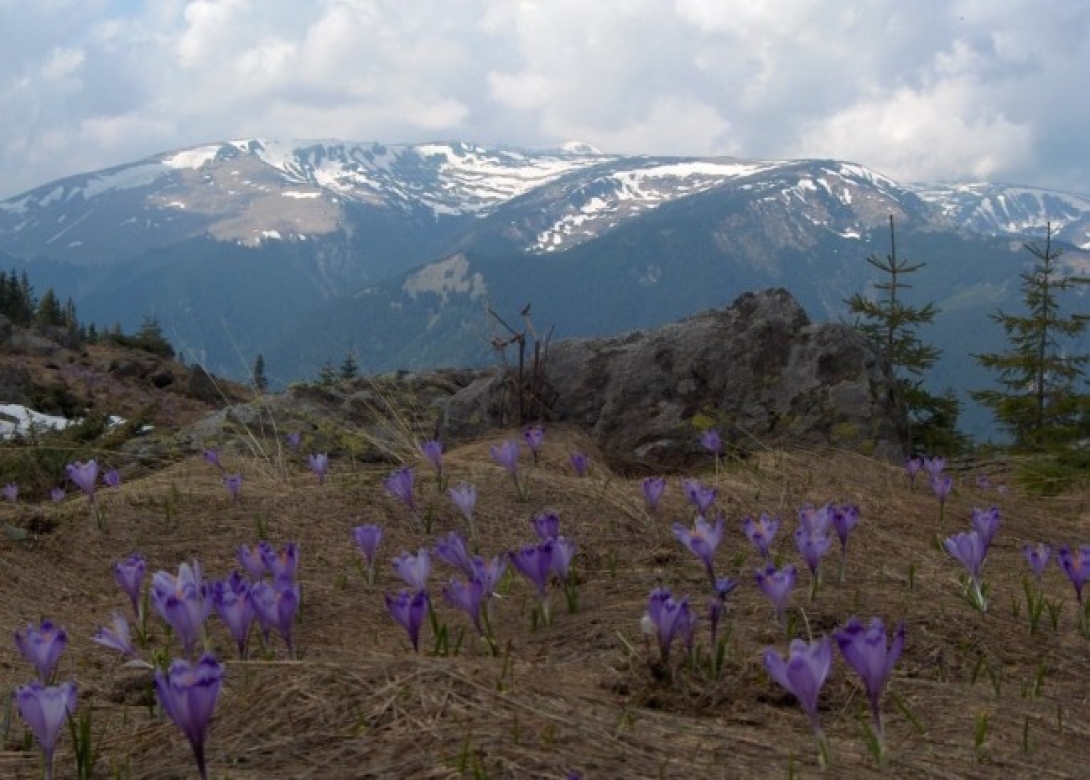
932, 89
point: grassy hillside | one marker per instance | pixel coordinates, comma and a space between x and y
980, 695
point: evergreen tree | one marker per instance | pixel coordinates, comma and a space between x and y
327, 377
260, 381
49, 310
1039, 403
349, 368
893, 325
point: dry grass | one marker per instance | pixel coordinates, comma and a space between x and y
582, 694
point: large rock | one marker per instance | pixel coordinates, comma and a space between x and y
759, 370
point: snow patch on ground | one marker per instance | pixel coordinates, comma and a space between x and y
192, 158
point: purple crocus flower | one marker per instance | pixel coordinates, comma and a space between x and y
535, 437
116, 636
711, 441
465, 498
934, 466
1076, 565
815, 519
183, 601
432, 451
844, 520
408, 608
367, 539
233, 483
452, 549
283, 564
668, 617
912, 468
983, 482
969, 549
42, 646
10, 492
986, 523
776, 584
212, 456
698, 495
1037, 556
399, 484
866, 652
535, 564
803, 673
563, 553
489, 572
507, 455
188, 694
414, 569
84, 476
701, 541
45, 710
468, 597
275, 606
761, 532
57, 494
653, 488
812, 547
579, 463
546, 525
111, 478
294, 440
941, 485
129, 574
319, 464
251, 559
233, 603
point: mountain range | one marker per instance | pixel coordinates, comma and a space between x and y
305, 252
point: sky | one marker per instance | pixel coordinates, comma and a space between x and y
928, 90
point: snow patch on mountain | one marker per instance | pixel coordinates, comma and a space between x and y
609, 199
192, 158
446, 278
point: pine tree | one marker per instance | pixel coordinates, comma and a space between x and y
260, 381
349, 368
49, 310
1039, 404
327, 377
893, 325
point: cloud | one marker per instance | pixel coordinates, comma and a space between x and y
935, 89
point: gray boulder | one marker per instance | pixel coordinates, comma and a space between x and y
759, 371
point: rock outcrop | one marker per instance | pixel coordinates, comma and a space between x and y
759, 371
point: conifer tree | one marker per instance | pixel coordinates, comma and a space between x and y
1040, 403
260, 381
349, 368
327, 377
893, 325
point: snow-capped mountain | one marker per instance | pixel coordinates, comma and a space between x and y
1002, 209
303, 251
